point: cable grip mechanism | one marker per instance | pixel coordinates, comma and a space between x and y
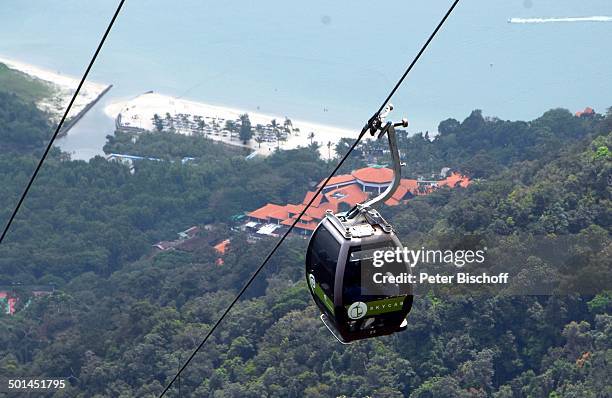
375, 125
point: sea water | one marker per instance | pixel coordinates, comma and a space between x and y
329, 62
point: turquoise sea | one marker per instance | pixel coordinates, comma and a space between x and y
329, 62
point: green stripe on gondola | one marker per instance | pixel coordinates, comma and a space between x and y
384, 306
323, 297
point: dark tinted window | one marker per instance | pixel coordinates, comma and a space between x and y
322, 260
358, 284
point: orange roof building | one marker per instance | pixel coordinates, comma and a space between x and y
265, 213
373, 175
222, 246
455, 180
588, 111
338, 181
344, 191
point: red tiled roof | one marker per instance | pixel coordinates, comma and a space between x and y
296, 209
222, 247
410, 185
305, 217
311, 226
455, 179
309, 196
319, 212
400, 192
263, 213
280, 214
587, 111
374, 175
339, 179
351, 194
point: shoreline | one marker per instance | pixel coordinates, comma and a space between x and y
64, 87
137, 114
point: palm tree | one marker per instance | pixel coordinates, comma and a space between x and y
288, 125
279, 137
245, 131
170, 122
230, 125
259, 140
157, 122
311, 137
200, 126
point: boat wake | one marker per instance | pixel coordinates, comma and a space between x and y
568, 19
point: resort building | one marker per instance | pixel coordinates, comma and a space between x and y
184, 241
127, 159
221, 248
344, 191
588, 111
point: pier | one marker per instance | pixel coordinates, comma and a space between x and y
74, 120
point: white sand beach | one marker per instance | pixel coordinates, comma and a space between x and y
64, 86
139, 111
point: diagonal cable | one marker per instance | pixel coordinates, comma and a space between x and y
416, 58
317, 193
61, 123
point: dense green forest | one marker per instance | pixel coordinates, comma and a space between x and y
24, 127
121, 319
26, 87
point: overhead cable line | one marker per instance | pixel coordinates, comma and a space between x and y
365, 129
61, 123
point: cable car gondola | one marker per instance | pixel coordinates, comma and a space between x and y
339, 264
